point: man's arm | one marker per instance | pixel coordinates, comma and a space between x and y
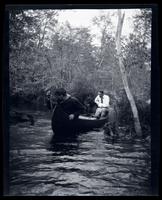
79, 108
97, 101
106, 102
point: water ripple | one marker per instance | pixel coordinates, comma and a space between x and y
88, 165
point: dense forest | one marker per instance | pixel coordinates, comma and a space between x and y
45, 55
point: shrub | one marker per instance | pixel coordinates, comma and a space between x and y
82, 89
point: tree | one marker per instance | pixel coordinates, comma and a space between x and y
137, 124
22, 34
108, 73
137, 55
142, 25
29, 35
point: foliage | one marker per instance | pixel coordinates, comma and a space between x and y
142, 25
137, 56
82, 88
45, 55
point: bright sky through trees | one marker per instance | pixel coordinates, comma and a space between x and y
83, 18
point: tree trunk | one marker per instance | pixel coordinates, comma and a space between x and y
49, 61
137, 124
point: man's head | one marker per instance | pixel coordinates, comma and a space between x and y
101, 93
60, 94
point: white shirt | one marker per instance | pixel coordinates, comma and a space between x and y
106, 101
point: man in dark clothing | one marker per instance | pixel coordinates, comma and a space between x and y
65, 112
70, 105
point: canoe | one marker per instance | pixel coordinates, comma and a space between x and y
61, 122
89, 123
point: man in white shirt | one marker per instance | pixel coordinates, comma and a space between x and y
103, 103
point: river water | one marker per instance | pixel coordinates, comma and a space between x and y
90, 164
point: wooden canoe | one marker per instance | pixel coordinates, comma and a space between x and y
61, 122
89, 123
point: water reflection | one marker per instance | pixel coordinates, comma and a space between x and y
111, 139
90, 164
64, 145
